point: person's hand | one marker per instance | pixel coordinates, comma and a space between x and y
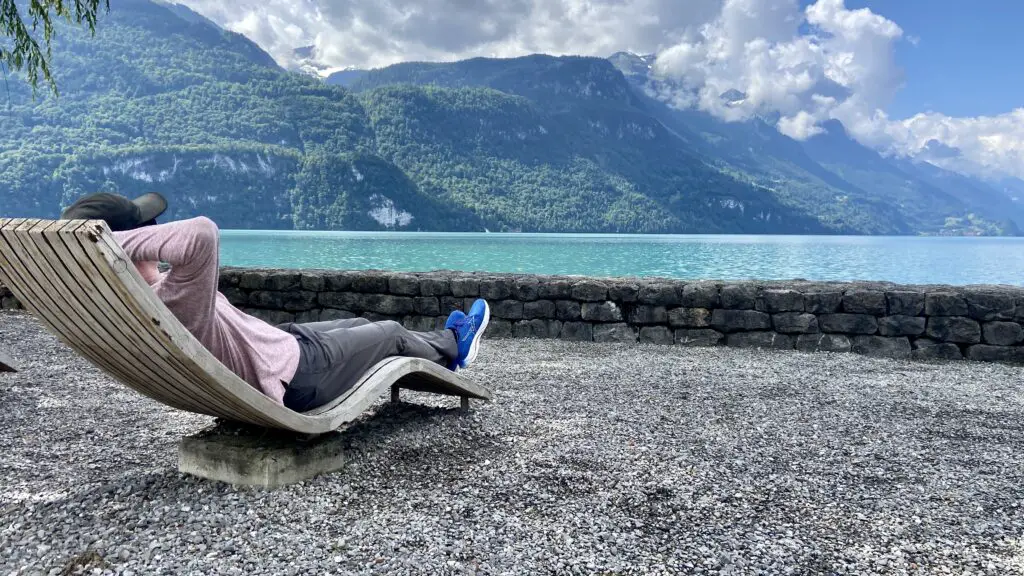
149, 272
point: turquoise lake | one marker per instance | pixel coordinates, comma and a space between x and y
907, 260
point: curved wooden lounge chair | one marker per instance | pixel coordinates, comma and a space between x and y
76, 279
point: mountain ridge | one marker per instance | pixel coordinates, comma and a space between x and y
638, 68
160, 98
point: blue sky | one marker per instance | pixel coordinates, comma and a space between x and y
968, 61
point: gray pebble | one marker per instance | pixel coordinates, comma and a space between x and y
593, 458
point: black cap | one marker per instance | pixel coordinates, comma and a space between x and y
117, 211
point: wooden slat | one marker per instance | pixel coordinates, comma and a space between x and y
79, 282
159, 327
11, 277
102, 339
70, 326
257, 408
110, 316
172, 380
411, 374
63, 320
396, 371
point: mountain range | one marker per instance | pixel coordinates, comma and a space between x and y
162, 98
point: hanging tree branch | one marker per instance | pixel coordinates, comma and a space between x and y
19, 42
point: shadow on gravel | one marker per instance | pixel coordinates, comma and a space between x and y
386, 428
83, 563
401, 415
420, 443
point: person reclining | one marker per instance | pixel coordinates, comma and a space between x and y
299, 365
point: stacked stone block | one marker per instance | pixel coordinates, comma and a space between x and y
879, 319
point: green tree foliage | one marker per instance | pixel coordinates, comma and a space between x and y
22, 50
597, 168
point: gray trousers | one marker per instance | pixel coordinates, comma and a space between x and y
335, 354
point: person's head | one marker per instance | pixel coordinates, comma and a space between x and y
120, 214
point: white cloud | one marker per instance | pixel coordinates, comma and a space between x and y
841, 67
757, 48
994, 143
801, 126
374, 33
804, 66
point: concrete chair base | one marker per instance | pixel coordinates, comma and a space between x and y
249, 456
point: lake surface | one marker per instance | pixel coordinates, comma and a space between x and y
908, 260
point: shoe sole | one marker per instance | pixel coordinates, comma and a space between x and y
474, 347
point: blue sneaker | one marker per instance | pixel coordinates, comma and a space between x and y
453, 319
456, 318
468, 331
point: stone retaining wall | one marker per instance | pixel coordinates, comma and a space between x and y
881, 319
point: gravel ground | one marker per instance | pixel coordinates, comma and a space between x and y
595, 459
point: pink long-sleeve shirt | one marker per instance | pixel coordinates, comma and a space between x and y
263, 355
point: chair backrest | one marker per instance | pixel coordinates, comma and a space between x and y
76, 279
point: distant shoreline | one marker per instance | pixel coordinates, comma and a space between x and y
250, 231
899, 259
